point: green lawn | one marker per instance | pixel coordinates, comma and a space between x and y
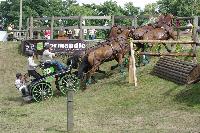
111, 105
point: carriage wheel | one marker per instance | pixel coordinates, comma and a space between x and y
41, 91
68, 82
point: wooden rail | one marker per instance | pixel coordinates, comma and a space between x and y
80, 26
155, 42
168, 54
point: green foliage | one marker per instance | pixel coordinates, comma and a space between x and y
179, 7
9, 10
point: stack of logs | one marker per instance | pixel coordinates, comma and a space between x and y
178, 71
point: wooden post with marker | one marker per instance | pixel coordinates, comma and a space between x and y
132, 67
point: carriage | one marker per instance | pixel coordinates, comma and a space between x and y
41, 89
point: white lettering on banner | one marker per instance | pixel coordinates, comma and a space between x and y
51, 45
55, 45
66, 46
83, 45
30, 47
76, 45
46, 43
61, 45
71, 46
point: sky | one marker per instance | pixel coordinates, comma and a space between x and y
137, 3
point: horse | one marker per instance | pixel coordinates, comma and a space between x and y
160, 34
76, 57
116, 50
164, 20
162, 26
114, 32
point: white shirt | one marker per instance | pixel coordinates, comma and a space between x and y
92, 31
76, 32
19, 85
189, 25
31, 64
47, 55
85, 31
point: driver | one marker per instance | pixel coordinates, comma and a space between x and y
47, 56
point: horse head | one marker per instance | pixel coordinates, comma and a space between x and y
164, 20
115, 31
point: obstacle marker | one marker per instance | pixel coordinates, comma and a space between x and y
178, 71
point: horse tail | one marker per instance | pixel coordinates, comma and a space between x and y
84, 67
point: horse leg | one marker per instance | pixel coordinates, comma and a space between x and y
90, 75
120, 60
114, 66
100, 71
168, 50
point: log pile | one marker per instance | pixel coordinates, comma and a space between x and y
178, 71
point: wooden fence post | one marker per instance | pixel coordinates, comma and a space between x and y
31, 27
81, 27
134, 21
27, 29
70, 117
195, 37
52, 22
113, 20
132, 67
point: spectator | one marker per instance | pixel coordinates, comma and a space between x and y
1, 27
85, 33
47, 33
69, 34
10, 32
178, 24
92, 33
189, 25
76, 33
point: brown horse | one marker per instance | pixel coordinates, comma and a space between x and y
160, 34
114, 32
160, 30
115, 50
164, 20
138, 33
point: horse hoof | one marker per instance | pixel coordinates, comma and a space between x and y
169, 50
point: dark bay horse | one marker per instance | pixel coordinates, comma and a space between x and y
76, 58
160, 34
164, 20
160, 30
115, 50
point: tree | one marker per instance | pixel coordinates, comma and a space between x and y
150, 9
35, 8
179, 7
130, 9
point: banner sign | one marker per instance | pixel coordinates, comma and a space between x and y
58, 46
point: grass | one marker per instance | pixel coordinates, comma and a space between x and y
111, 105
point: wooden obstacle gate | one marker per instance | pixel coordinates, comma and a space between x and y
178, 71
